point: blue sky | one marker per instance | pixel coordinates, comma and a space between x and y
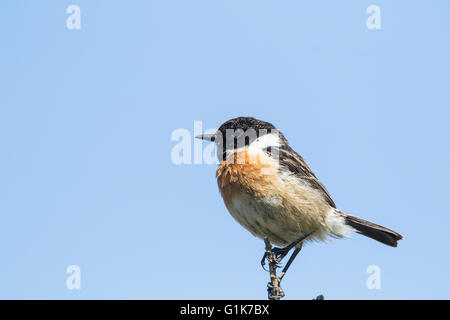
86, 117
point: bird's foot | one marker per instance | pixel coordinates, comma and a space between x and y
277, 255
280, 253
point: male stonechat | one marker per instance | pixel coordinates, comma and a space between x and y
272, 192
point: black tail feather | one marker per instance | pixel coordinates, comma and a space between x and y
372, 230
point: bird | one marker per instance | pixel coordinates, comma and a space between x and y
272, 192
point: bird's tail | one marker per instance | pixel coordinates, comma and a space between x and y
371, 230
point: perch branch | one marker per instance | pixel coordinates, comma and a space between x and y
273, 287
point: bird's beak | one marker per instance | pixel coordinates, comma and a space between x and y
206, 137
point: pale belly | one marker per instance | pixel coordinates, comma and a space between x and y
269, 217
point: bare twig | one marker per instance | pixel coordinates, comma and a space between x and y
273, 287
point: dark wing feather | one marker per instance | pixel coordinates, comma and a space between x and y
293, 162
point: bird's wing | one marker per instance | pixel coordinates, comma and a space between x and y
293, 162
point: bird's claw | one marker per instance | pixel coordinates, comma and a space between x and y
278, 255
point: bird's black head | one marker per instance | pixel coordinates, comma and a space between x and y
245, 123
240, 132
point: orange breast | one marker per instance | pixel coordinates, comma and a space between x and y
246, 173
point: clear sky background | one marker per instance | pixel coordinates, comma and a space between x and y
86, 117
